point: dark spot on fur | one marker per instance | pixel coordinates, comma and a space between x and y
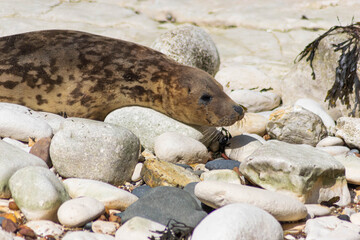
40, 100
9, 84
85, 101
58, 95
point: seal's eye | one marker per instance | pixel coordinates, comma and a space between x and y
205, 99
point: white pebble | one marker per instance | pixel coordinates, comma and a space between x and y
79, 211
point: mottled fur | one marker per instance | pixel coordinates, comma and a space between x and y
86, 75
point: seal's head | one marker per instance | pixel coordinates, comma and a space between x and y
197, 98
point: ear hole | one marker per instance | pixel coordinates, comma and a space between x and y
205, 99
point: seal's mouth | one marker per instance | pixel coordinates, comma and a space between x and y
234, 117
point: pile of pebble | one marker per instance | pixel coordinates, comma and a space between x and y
285, 172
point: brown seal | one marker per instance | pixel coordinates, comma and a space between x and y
86, 75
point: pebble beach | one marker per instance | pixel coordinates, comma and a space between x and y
290, 169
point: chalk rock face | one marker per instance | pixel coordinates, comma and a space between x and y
298, 83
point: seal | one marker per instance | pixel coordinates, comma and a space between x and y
86, 75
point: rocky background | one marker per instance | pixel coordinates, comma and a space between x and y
290, 171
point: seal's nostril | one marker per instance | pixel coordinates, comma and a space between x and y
239, 110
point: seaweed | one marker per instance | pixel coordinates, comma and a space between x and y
174, 231
346, 77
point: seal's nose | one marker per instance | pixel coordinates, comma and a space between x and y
239, 110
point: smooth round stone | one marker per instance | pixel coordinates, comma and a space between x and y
45, 227
164, 203
218, 194
191, 46
12, 159
330, 141
54, 120
240, 147
251, 123
147, 124
316, 210
19, 122
352, 167
238, 221
222, 164
177, 148
85, 148
331, 228
138, 228
87, 236
221, 175
111, 196
255, 101
37, 192
41, 149
141, 190
6, 235
17, 143
137, 172
76, 212
335, 150
105, 227
316, 108
355, 218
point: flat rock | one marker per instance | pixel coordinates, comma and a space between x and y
45, 227
348, 128
316, 108
11, 160
147, 124
159, 173
37, 192
222, 163
111, 196
18, 122
255, 101
91, 149
164, 203
219, 194
79, 211
222, 175
301, 171
138, 228
191, 46
240, 147
296, 125
176, 148
352, 167
331, 228
251, 123
79, 235
238, 221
